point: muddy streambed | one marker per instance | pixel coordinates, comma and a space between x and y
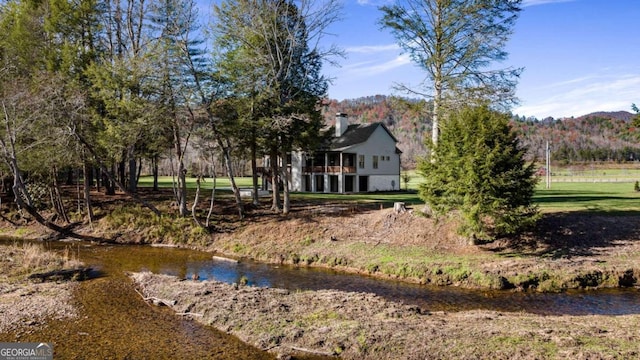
115, 322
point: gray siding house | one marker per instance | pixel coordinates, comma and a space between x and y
359, 158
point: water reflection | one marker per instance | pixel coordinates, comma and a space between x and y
602, 302
185, 263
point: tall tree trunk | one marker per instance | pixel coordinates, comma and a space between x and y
90, 174
122, 177
182, 173
56, 198
435, 117
155, 172
174, 182
286, 206
108, 179
87, 189
213, 193
254, 170
132, 168
234, 187
97, 174
275, 186
195, 202
138, 172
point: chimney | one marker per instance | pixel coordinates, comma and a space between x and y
342, 123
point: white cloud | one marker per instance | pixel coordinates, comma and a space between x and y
374, 2
369, 68
372, 49
527, 3
580, 96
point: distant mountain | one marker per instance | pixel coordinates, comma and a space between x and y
617, 115
598, 136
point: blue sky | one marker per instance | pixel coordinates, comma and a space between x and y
579, 56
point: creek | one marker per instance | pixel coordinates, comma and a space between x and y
114, 321
185, 263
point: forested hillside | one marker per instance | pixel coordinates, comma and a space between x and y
599, 136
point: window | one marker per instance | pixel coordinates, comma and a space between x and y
375, 161
361, 161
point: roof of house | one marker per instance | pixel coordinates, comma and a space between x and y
357, 134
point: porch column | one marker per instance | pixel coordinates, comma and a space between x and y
341, 177
312, 177
327, 185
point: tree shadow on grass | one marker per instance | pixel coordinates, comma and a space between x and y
567, 234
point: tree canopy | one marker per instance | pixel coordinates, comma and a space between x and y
456, 42
98, 87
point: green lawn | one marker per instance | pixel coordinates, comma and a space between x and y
603, 197
221, 182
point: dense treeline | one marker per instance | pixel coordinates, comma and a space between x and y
96, 87
594, 137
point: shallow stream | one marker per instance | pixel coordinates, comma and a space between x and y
185, 263
115, 322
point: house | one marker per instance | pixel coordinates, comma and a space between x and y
359, 158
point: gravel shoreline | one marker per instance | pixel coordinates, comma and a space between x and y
365, 326
26, 305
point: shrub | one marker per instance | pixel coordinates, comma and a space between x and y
478, 170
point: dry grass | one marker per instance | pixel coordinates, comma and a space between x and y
29, 258
564, 252
25, 304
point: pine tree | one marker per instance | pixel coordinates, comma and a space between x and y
458, 44
270, 51
480, 171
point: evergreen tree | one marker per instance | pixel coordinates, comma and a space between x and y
270, 52
480, 171
175, 53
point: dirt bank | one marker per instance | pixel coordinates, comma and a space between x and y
565, 251
364, 326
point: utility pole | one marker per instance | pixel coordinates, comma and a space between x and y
548, 166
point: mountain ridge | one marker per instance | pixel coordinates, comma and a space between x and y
596, 136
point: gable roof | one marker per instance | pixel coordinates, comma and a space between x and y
357, 134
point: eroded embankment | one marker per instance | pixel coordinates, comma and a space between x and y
365, 326
575, 251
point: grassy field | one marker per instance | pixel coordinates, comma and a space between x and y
597, 195
588, 196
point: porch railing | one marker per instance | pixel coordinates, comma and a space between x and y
328, 169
